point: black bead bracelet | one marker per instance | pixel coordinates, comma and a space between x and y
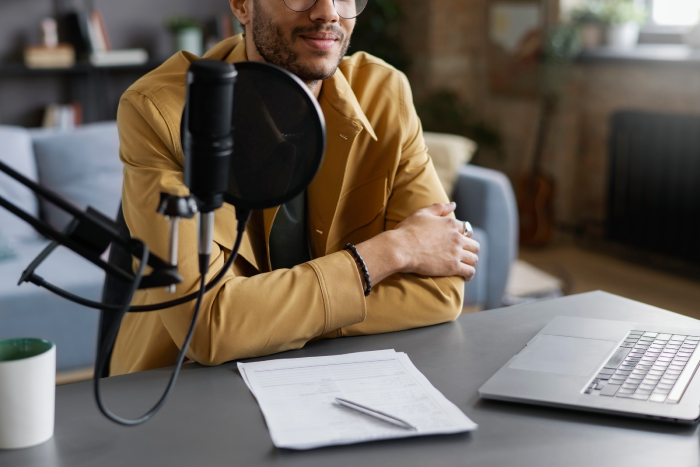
350, 247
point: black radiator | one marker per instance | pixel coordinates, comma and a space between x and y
654, 189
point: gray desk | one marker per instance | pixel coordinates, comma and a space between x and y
212, 419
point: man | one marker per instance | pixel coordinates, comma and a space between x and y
294, 281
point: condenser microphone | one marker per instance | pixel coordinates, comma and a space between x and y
207, 142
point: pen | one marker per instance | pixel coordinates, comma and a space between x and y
375, 413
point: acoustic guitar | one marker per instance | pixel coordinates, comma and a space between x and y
535, 192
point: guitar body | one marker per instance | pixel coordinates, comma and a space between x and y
536, 210
535, 192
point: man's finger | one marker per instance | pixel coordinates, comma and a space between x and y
471, 245
441, 209
470, 258
466, 271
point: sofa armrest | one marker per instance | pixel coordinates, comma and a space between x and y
485, 198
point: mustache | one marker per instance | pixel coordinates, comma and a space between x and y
332, 28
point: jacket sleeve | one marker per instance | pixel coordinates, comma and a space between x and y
242, 316
405, 301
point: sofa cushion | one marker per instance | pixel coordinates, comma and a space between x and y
83, 167
31, 311
17, 152
448, 153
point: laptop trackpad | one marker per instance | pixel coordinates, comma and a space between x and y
573, 356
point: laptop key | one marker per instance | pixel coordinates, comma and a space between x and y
617, 358
601, 376
640, 396
657, 398
609, 390
606, 371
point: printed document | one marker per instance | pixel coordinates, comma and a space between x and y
297, 399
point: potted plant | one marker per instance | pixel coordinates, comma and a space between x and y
187, 34
588, 17
623, 19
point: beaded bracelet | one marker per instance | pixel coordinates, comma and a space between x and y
359, 259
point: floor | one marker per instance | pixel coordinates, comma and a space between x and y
585, 270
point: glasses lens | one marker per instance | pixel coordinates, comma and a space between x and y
299, 5
350, 8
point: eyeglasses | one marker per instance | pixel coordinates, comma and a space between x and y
347, 9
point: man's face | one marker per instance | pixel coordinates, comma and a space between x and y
309, 44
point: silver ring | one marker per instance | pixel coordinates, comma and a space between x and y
468, 231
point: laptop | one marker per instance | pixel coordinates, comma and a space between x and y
634, 369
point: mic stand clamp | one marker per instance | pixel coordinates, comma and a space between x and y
175, 208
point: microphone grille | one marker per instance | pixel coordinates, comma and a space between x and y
210, 97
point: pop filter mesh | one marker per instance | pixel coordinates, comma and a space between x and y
279, 137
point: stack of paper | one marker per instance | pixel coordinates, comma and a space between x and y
297, 398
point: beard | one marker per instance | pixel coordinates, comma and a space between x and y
276, 49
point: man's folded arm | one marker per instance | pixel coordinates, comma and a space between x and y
405, 301
242, 316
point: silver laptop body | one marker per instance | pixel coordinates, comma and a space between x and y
628, 368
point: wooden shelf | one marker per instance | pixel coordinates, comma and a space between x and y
17, 69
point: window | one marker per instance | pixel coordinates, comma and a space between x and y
673, 13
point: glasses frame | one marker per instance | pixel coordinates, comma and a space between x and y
336, 10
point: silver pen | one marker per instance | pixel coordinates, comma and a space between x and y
375, 413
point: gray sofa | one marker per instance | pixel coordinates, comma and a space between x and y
83, 166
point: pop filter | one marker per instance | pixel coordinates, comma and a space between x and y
279, 137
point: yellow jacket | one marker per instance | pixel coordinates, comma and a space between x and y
376, 172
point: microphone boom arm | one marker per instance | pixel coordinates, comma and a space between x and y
88, 234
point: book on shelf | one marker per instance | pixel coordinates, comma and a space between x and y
121, 57
63, 116
88, 33
41, 56
98, 31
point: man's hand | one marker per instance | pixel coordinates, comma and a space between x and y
427, 243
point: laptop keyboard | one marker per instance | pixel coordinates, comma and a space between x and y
648, 366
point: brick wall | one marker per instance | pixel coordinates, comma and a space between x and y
449, 45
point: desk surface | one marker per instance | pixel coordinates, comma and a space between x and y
212, 419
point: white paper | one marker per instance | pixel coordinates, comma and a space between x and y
297, 398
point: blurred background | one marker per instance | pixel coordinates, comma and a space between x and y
589, 109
